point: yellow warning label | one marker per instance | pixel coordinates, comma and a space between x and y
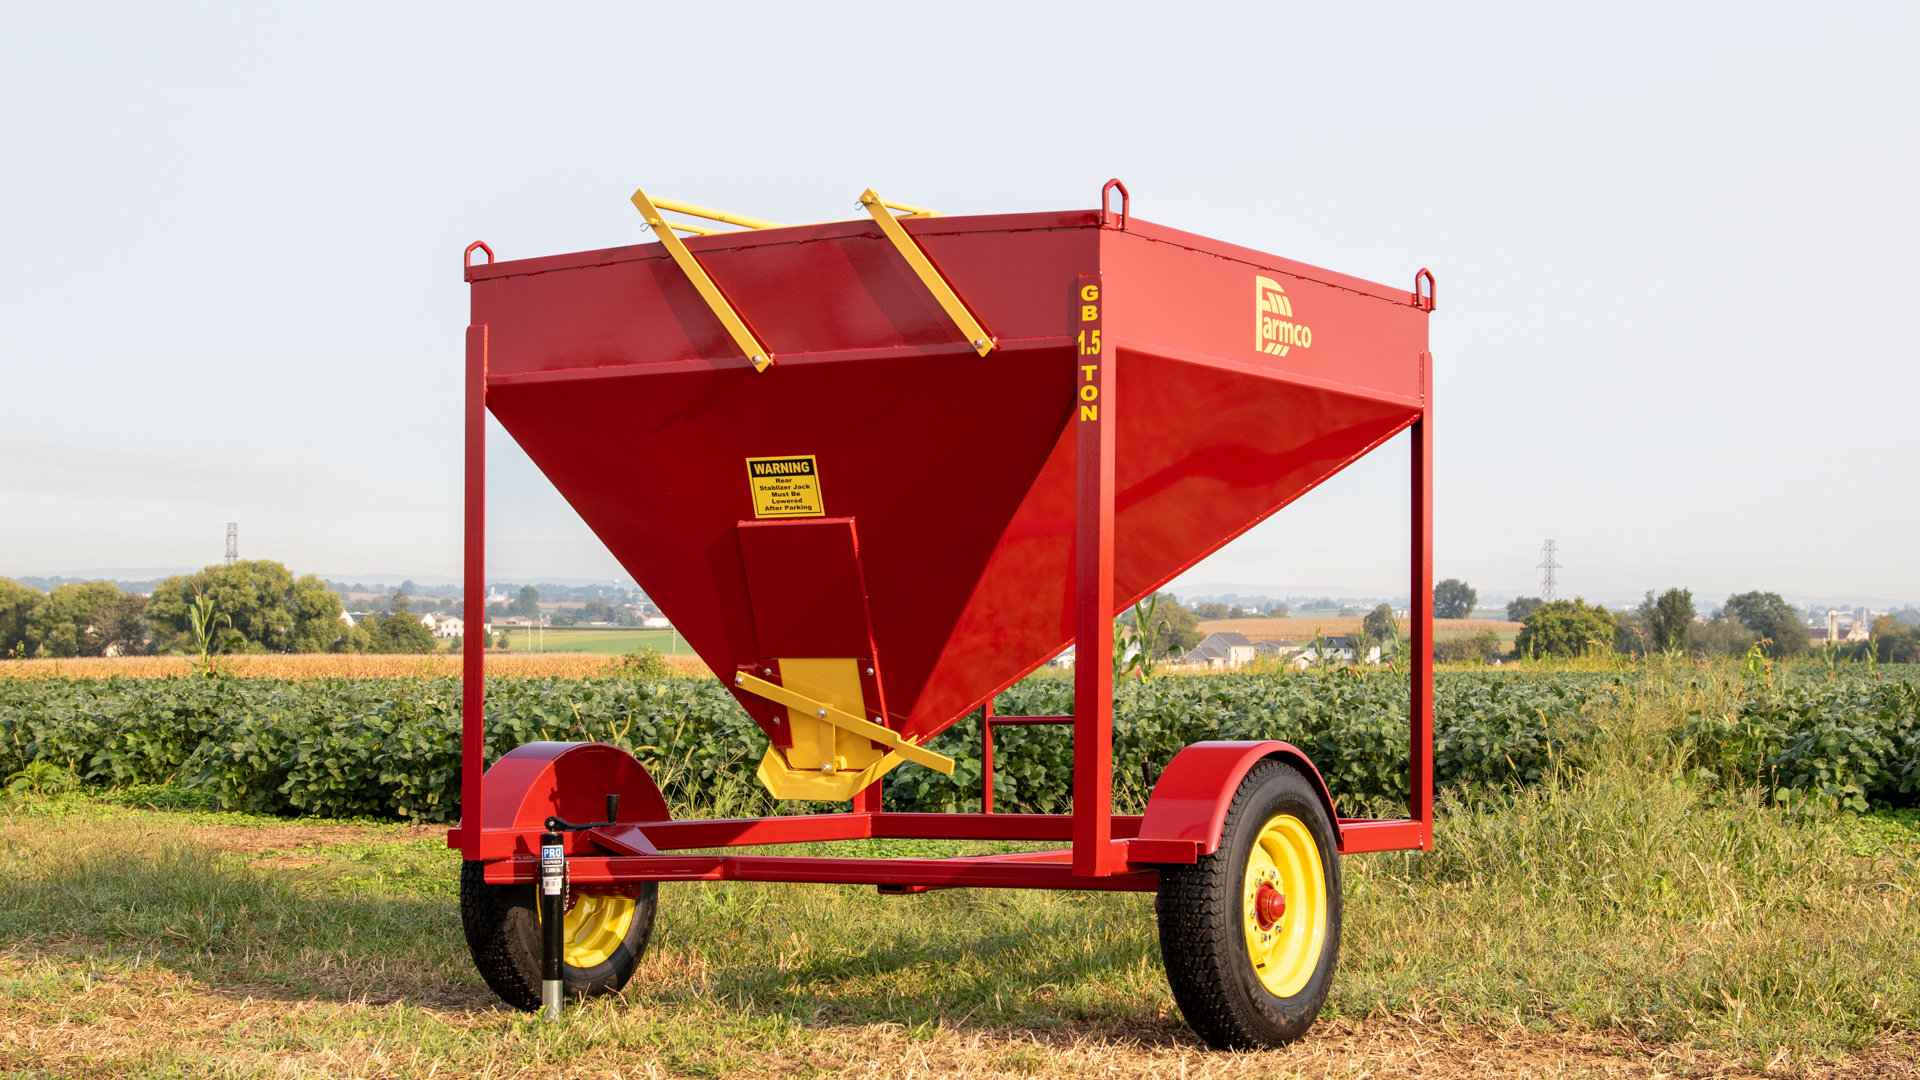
785, 487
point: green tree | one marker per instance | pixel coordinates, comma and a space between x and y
1565, 628
1475, 648
1894, 642
400, 630
527, 604
1379, 622
1520, 607
65, 624
120, 626
1722, 637
1669, 618
1454, 599
1770, 616
1207, 612
19, 604
272, 609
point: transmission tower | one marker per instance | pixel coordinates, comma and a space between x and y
1548, 564
233, 542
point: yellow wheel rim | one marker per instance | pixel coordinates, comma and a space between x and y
1284, 939
595, 928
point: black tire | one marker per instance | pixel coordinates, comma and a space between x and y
1203, 911
503, 933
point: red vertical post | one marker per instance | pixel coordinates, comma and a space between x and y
1093, 851
986, 758
1420, 710
867, 800
473, 648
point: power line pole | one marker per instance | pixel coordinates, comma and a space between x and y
1548, 564
233, 542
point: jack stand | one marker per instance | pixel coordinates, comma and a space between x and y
553, 906
553, 915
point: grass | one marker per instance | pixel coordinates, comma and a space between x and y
1615, 919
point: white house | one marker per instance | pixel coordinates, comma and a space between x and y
1339, 651
655, 622
1223, 650
445, 626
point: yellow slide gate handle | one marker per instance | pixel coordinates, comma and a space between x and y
861, 726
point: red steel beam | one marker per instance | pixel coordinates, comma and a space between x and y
986, 757
808, 828
473, 685
1360, 835
1093, 851
995, 826
1420, 710
990, 873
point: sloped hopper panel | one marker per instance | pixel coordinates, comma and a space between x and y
957, 469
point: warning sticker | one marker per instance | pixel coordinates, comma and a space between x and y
785, 487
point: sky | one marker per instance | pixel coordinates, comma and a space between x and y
1675, 247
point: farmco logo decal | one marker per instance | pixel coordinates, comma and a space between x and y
1275, 331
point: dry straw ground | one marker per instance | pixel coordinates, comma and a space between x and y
71, 1017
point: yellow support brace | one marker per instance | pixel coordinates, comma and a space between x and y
761, 356
711, 214
950, 301
886, 737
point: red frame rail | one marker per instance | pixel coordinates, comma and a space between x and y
1098, 855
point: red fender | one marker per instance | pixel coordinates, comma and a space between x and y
569, 780
1189, 802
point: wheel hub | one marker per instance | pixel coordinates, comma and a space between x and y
1269, 905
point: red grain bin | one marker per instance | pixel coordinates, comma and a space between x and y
876, 471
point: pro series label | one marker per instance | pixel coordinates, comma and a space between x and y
785, 487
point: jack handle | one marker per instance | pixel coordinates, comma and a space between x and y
559, 824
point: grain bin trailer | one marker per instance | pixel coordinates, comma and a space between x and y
878, 470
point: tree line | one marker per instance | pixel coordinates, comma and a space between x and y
1666, 622
261, 607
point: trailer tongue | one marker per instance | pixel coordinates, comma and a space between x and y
877, 471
